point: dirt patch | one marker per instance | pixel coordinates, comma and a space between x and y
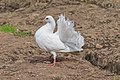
22, 59
16, 5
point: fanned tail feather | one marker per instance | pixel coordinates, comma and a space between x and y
68, 35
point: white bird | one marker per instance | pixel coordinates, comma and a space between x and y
65, 39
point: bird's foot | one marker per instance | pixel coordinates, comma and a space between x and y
51, 64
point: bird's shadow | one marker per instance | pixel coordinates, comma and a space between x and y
41, 59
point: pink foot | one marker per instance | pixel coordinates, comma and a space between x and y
53, 64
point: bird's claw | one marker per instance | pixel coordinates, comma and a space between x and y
53, 64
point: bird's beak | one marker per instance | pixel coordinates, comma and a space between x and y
44, 19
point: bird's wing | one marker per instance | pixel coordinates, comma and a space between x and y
50, 42
68, 35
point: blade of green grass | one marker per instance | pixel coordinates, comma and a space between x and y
12, 29
22, 34
7, 29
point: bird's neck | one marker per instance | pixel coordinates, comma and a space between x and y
47, 28
50, 27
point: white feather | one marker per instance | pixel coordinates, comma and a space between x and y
68, 35
47, 40
66, 39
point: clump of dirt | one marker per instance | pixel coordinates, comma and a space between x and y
16, 5
13, 5
104, 3
20, 58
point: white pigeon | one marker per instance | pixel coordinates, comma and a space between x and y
66, 39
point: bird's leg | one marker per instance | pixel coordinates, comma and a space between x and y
54, 58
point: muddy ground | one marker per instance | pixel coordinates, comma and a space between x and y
98, 22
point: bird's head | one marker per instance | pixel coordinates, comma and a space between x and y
49, 19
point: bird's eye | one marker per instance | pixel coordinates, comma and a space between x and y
46, 18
